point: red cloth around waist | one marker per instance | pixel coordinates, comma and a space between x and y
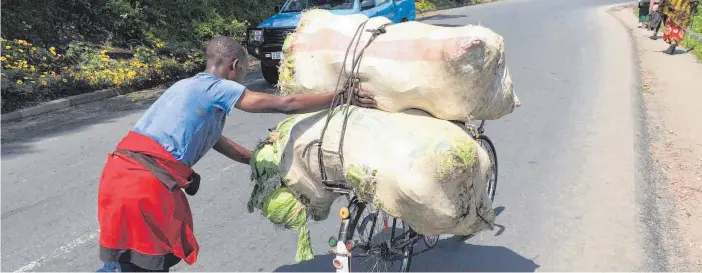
136, 211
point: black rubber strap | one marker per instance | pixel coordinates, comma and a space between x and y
163, 175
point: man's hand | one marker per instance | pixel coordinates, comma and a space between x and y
363, 99
232, 150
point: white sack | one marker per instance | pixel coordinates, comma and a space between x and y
453, 73
427, 172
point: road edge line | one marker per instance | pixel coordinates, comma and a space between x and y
657, 203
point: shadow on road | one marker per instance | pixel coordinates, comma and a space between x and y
442, 17
447, 25
450, 255
679, 51
18, 136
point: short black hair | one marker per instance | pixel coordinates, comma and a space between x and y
223, 49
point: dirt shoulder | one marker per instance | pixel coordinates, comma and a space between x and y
672, 92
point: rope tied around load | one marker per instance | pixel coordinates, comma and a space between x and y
345, 95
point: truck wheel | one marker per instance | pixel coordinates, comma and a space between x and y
270, 73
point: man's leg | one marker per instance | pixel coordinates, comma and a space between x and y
125, 267
664, 17
110, 267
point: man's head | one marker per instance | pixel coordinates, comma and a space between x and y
226, 58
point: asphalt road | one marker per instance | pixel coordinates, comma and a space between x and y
575, 191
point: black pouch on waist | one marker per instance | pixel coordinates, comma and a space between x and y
194, 185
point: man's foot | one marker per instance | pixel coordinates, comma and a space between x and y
671, 49
654, 37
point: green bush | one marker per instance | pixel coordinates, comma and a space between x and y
424, 5
158, 41
215, 25
32, 74
129, 23
696, 27
429, 5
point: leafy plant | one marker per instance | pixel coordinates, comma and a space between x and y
692, 42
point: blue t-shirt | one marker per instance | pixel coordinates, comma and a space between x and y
188, 118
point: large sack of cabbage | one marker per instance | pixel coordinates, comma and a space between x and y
453, 73
425, 171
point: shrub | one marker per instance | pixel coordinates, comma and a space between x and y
429, 5
424, 6
696, 27
58, 48
33, 74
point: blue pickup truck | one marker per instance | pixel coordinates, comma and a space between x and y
265, 41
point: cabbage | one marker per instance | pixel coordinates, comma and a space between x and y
277, 202
283, 209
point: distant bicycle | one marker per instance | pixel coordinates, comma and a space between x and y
367, 231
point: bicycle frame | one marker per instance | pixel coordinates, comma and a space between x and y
342, 252
342, 261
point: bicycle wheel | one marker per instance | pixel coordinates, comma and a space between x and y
373, 233
491, 185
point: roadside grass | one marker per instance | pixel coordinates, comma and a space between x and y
695, 43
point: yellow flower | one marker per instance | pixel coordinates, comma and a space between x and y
131, 74
64, 80
2, 59
8, 47
43, 83
34, 49
19, 81
43, 58
20, 50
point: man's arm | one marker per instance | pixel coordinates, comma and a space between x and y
232, 150
257, 102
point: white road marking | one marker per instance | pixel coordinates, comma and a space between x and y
63, 250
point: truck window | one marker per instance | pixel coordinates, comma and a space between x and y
300, 5
367, 3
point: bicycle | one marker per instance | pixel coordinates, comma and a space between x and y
391, 248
